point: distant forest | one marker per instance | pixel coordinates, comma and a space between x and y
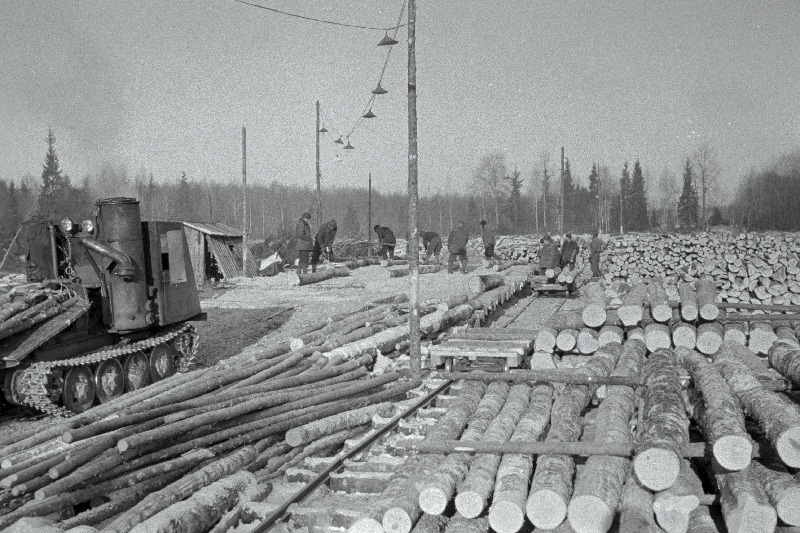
510, 201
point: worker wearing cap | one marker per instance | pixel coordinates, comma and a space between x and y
302, 235
548, 254
323, 243
457, 246
569, 252
432, 244
386, 241
488, 237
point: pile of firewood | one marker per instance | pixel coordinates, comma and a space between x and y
749, 267
186, 452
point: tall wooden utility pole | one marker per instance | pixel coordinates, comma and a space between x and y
319, 177
413, 231
369, 215
561, 200
244, 202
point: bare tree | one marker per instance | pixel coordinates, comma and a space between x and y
534, 188
491, 177
668, 193
606, 196
544, 163
708, 172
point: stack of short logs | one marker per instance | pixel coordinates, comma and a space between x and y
185, 453
676, 430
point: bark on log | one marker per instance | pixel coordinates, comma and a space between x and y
598, 485
551, 487
630, 312
674, 506
707, 298
460, 524
745, 505
507, 512
474, 491
181, 489
786, 360
782, 489
665, 430
688, 301
304, 434
297, 279
721, 417
479, 284
700, 521
439, 488
777, 416
636, 509
594, 313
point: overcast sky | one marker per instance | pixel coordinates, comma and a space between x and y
168, 85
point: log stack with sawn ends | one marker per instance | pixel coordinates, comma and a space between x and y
677, 436
191, 452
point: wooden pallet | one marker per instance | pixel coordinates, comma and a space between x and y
483, 344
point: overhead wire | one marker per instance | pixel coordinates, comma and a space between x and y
314, 19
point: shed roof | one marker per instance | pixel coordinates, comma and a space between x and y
217, 229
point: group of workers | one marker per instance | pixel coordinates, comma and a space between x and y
551, 254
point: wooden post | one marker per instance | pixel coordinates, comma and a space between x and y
413, 231
244, 202
369, 216
319, 177
561, 200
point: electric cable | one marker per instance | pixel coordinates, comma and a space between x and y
323, 21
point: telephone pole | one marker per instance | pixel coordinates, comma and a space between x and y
413, 195
244, 202
369, 215
319, 176
561, 199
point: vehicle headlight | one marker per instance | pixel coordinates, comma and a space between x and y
87, 226
67, 225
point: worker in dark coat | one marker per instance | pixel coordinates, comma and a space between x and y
323, 243
488, 237
548, 254
386, 241
302, 235
595, 247
457, 247
432, 244
569, 252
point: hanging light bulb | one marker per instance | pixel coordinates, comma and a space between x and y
387, 41
339, 140
379, 89
349, 146
323, 129
369, 114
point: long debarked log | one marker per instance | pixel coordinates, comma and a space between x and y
782, 489
507, 511
745, 505
636, 509
598, 486
325, 426
786, 360
706, 298
674, 506
721, 417
688, 301
479, 284
439, 488
551, 487
660, 309
631, 310
320, 275
594, 313
665, 430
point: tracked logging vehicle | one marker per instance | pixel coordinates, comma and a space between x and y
108, 308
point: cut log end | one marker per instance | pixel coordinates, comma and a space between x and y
709, 312
733, 452
397, 520
546, 509
657, 468
433, 500
469, 504
506, 517
788, 447
594, 316
590, 514
296, 344
789, 507
661, 313
366, 525
672, 513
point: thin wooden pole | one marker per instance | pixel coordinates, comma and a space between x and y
561, 201
245, 217
319, 177
369, 215
413, 231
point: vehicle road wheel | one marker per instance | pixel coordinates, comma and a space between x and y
137, 371
79, 389
109, 381
162, 362
10, 387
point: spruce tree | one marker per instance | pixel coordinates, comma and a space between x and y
625, 198
594, 194
515, 198
687, 203
56, 188
638, 199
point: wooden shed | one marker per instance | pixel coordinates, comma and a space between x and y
216, 251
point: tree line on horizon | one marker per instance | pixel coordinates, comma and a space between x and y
509, 202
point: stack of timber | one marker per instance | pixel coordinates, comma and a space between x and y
202, 444
26, 305
748, 267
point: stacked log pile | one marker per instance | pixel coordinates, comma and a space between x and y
748, 267
26, 305
201, 443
